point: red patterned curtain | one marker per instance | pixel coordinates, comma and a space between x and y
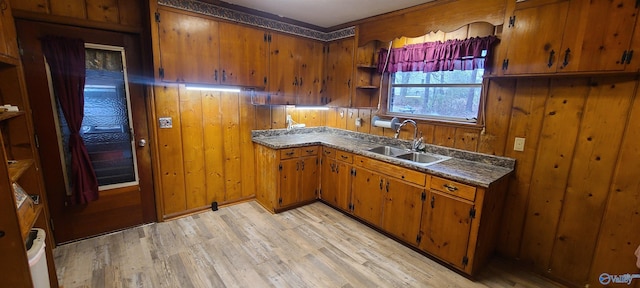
451, 55
66, 58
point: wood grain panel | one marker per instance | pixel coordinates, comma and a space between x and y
526, 121
467, 139
246, 145
619, 233
351, 116
365, 115
278, 117
562, 117
444, 136
130, 13
311, 118
231, 136
596, 153
263, 118
69, 8
39, 6
193, 148
170, 151
213, 147
103, 10
427, 131
498, 99
341, 119
332, 117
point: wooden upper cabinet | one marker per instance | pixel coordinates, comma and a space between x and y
188, 48
283, 56
8, 38
243, 55
295, 74
310, 72
534, 37
339, 73
597, 35
547, 37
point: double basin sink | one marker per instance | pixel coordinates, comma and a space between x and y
419, 158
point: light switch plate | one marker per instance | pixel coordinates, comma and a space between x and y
518, 144
165, 122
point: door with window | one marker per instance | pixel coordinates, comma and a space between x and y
114, 129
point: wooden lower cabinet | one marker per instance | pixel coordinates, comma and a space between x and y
336, 179
286, 178
451, 221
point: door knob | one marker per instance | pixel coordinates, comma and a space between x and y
142, 143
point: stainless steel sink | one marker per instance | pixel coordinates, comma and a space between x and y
388, 151
423, 158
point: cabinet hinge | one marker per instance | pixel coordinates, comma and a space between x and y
161, 72
505, 64
423, 197
418, 238
265, 80
265, 37
629, 56
280, 201
280, 167
269, 38
465, 261
353, 171
157, 17
352, 207
512, 21
472, 213
320, 193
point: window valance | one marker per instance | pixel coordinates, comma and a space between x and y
467, 54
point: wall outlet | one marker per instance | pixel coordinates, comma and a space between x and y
165, 122
518, 144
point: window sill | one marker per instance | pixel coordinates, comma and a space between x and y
437, 122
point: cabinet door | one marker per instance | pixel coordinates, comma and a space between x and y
8, 38
243, 55
310, 72
534, 40
283, 78
289, 182
367, 196
597, 34
329, 184
343, 178
445, 227
188, 48
309, 177
402, 210
339, 71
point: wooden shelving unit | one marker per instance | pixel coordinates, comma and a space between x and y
367, 86
21, 166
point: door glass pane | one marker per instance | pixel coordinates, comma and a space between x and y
106, 128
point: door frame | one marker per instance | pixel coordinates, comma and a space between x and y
67, 225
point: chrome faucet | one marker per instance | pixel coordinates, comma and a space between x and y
416, 143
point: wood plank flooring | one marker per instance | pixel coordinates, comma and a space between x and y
245, 246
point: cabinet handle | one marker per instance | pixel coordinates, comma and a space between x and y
387, 186
327, 152
344, 157
433, 201
337, 168
310, 151
295, 81
450, 187
297, 166
566, 57
290, 153
381, 183
551, 55
224, 76
349, 83
333, 167
302, 165
215, 75
300, 81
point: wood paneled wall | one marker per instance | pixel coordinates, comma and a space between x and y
207, 155
122, 12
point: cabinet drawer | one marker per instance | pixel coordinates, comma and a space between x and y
344, 156
329, 152
309, 151
391, 170
289, 153
453, 188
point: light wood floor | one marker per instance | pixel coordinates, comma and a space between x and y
245, 246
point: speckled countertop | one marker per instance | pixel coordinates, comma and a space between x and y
465, 167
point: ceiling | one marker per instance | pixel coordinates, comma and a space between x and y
326, 13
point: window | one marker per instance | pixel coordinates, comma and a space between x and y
106, 127
444, 95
